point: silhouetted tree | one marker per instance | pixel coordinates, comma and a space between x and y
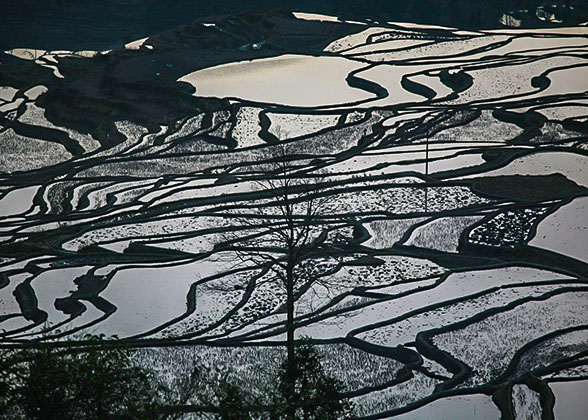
292, 236
315, 395
311, 394
44, 383
102, 383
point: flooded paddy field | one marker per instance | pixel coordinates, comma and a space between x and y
440, 177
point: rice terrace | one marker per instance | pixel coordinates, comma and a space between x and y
409, 198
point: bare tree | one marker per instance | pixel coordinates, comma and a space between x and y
289, 234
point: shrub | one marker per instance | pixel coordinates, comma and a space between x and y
101, 383
306, 392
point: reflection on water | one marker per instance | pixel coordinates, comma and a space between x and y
293, 80
469, 407
570, 399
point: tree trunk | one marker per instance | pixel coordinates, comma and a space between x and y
291, 367
290, 324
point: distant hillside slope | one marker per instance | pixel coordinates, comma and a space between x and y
88, 24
